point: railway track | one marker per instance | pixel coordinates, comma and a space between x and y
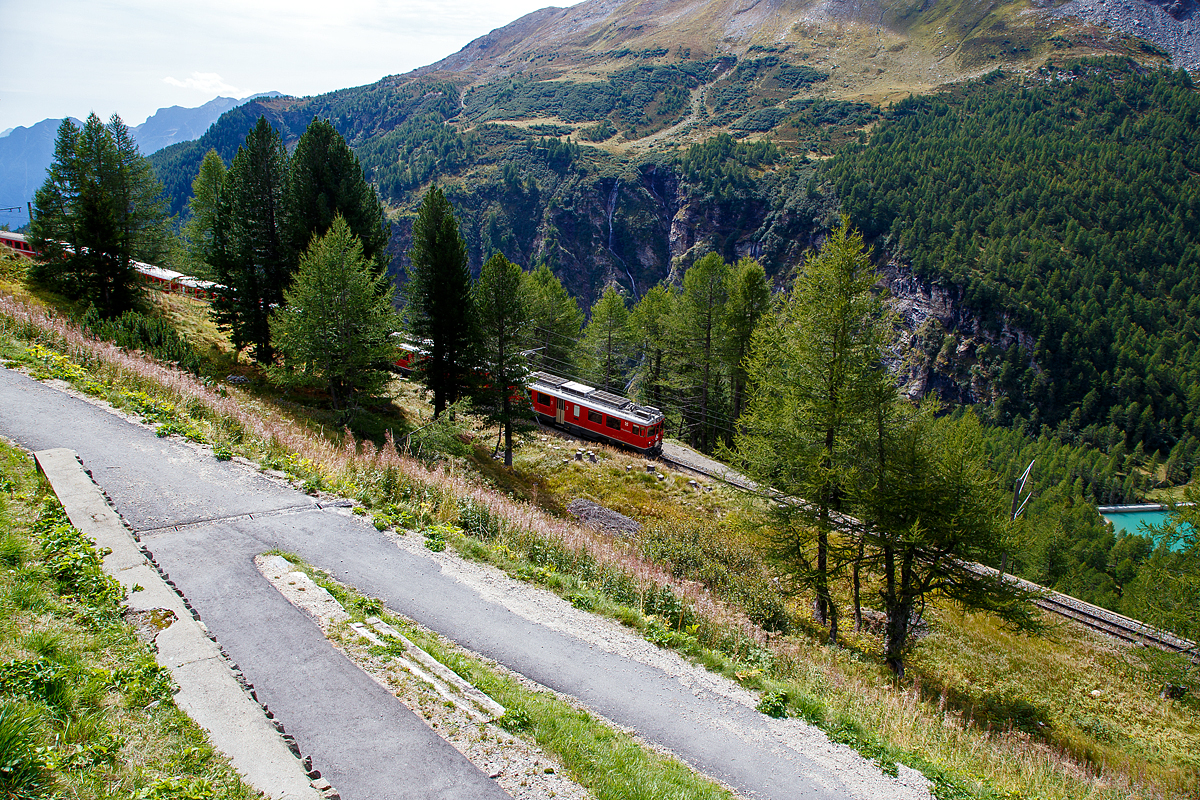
1090, 616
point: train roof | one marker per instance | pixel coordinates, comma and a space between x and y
613, 404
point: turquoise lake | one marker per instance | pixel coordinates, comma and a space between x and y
1131, 522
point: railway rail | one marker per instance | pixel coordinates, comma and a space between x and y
1090, 616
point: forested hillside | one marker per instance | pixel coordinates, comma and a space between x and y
1060, 211
1066, 205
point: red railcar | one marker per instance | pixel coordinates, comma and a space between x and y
18, 242
595, 413
159, 277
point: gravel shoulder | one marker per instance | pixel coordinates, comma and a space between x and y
519, 767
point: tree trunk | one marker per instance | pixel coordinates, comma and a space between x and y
857, 601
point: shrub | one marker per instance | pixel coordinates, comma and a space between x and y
774, 704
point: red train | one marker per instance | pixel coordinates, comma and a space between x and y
595, 413
165, 279
17, 241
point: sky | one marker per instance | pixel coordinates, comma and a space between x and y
71, 57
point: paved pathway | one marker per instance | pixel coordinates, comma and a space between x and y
205, 521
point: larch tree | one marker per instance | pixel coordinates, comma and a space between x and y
607, 346
749, 297
255, 267
438, 312
206, 231
700, 334
334, 327
99, 211
930, 511
1165, 590
325, 180
554, 322
502, 318
812, 372
650, 328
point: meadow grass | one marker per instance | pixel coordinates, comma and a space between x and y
973, 731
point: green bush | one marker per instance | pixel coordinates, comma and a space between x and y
774, 704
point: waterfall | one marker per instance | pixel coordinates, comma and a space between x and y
612, 207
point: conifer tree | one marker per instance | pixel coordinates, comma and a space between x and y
650, 327
700, 335
326, 179
931, 509
607, 343
749, 297
554, 322
438, 311
336, 322
206, 231
813, 372
255, 267
99, 210
503, 319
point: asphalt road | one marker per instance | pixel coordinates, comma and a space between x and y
205, 521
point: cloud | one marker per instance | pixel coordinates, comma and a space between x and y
208, 83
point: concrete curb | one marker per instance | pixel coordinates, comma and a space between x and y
209, 691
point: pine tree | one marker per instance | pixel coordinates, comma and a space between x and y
607, 344
554, 322
326, 179
99, 210
438, 311
336, 322
255, 267
503, 319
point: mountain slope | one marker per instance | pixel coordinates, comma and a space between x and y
25, 153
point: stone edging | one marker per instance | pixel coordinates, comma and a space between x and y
212, 690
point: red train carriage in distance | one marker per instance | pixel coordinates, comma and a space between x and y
158, 277
595, 413
407, 354
17, 241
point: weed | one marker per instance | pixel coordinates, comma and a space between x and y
774, 704
144, 682
177, 789
369, 606
515, 720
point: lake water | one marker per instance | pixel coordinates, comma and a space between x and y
1131, 521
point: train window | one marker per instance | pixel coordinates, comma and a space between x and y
613, 422
543, 399
637, 431
576, 412
596, 417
